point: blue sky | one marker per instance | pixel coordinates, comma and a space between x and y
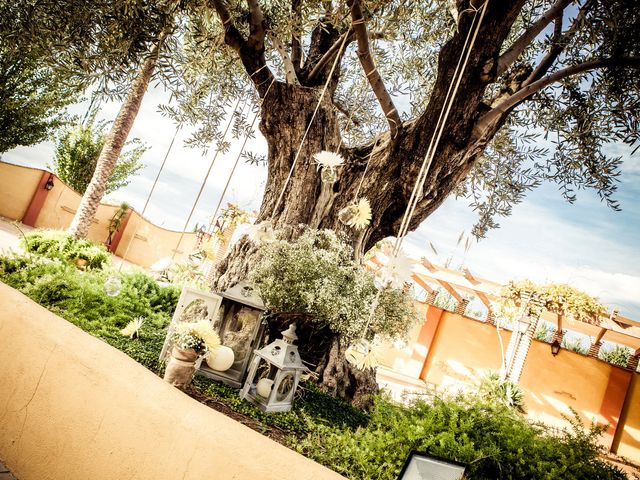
546, 239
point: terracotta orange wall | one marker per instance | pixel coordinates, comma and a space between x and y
553, 385
60, 207
464, 349
74, 408
17, 185
410, 359
462, 352
628, 443
151, 243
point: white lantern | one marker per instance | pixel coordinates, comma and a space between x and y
274, 374
222, 360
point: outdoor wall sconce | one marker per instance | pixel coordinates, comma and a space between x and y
555, 347
424, 467
49, 184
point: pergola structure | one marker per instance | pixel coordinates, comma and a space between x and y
460, 284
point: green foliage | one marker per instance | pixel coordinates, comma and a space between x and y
494, 388
316, 275
79, 296
494, 441
56, 244
32, 98
559, 298
617, 355
78, 148
544, 332
575, 345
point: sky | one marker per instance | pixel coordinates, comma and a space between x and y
546, 239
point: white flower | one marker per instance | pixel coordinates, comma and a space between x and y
261, 232
133, 327
362, 355
357, 215
397, 271
328, 159
162, 265
197, 335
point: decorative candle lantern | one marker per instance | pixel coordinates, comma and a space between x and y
239, 325
274, 374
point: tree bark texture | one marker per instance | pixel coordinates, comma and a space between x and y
113, 145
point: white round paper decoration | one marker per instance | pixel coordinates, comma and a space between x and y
222, 359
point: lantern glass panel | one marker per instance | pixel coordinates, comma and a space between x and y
284, 390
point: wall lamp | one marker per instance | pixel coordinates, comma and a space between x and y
49, 184
555, 347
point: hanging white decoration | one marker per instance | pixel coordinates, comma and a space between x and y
362, 355
113, 286
397, 271
357, 215
328, 162
262, 232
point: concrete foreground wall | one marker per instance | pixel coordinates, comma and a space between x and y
74, 408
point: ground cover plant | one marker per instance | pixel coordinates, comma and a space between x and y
480, 430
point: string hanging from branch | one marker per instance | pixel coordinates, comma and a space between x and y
361, 354
206, 178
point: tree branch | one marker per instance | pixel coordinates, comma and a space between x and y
328, 56
289, 69
257, 26
551, 56
512, 54
371, 72
251, 52
232, 35
296, 46
503, 107
559, 42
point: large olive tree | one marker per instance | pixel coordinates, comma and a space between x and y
566, 71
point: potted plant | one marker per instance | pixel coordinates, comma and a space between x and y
191, 341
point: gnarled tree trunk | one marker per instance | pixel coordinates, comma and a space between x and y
394, 163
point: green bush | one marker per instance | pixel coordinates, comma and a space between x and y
56, 244
492, 440
618, 355
80, 296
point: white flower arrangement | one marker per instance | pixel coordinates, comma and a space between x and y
329, 160
357, 215
362, 355
199, 336
397, 271
132, 329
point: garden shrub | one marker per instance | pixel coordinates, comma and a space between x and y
493, 441
56, 244
316, 276
617, 355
